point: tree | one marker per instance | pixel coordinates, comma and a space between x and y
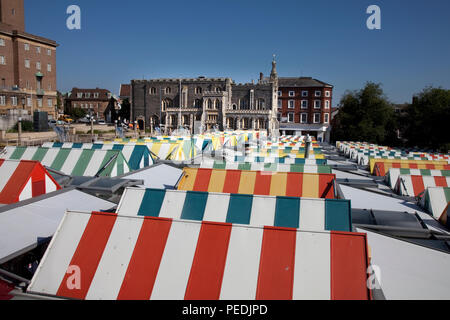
428, 118
77, 113
366, 115
124, 112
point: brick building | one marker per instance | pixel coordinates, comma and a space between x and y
27, 64
304, 106
273, 103
93, 101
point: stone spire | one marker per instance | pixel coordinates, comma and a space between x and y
273, 73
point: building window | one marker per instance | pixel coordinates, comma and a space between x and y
49, 52
2, 42
39, 102
96, 95
38, 49
316, 117
80, 95
218, 89
49, 102
291, 104
49, 87
304, 104
317, 104
304, 118
153, 90
280, 93
197, 103
87, 95
209, 104
38, 65
304, 93
27, 63
14, 101
290, 117
327, 94
27, 47
168, 90
217, 104
49, 67
29, 102
261, 104
2, 60
2, 100
327, 104
318, 93
75, 105
291, 93
326, 118
279, 104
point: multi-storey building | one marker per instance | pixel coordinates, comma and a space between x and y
273, 103
304, 106
27, 64
93, 101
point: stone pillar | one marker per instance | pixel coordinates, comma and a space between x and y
238, 123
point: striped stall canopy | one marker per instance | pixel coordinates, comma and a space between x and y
75, 162
21, 180
413, 186
289, 212
394, 173
290, 184
137, 156
435, 200
280, 167
287, 160
381, 167
142, 258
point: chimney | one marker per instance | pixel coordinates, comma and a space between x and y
261, 76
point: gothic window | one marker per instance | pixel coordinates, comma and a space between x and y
217, 104
261, 104
198, 90
218, 89
168, 90
153, 90
234, 106
210, 104
167, 103
198, 103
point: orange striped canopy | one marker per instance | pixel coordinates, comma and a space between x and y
291, 184
381, 168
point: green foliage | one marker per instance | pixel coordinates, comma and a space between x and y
428, 118
27, 126
366, 115
77, 113
124, 112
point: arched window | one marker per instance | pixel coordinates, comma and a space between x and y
167, 103
261, 105
168, 90
218, 89
198, 90
242, 104
210, 104
234, 106
217, 104
153, 90
198, 103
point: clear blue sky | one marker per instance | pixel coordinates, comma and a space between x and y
327, 40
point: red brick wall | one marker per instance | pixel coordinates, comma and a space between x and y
297, 98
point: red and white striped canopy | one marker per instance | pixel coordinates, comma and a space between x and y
106, 256
21, 180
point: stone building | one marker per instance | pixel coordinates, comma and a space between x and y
27, 64
201, 104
